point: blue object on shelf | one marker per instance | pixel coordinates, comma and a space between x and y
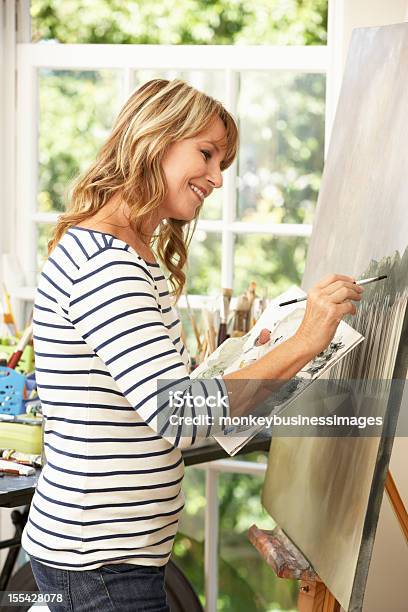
11, 391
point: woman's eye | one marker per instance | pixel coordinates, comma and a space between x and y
206, 154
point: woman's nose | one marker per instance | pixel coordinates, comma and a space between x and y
215, 178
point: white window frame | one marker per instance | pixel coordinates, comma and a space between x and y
232, 59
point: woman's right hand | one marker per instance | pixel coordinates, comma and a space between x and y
327, 303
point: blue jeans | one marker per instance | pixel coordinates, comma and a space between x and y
121, 587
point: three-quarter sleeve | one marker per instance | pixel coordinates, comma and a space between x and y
115, 307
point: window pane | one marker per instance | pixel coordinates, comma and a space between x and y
274, 263
212, 208
244, 579
204, 264
189, 337
256, 22
188, 550
203, 277
212, 82
281, 119
188, 332
77, 109
246, 582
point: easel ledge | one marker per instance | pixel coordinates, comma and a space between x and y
287, 561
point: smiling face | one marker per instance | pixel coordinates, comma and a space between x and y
193, 169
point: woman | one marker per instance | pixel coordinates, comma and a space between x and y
105, 512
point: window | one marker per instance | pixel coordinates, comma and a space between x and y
277, 96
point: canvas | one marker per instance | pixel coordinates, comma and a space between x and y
326, 493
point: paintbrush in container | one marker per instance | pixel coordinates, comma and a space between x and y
241, 316
224, 311
258, 307
194, 324
8, 316
251, 295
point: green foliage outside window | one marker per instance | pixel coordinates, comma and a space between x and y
281, 119
181, 22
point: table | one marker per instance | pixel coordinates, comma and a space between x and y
18, 490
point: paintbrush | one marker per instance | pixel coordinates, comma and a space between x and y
241, 316
193, 323
365, 281
22, 343
258, 307
224, 311
8, 316
251, 295
11, 467
204, 348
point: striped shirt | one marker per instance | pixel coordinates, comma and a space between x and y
105, 333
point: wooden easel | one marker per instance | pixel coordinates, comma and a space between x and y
288, 562
397, 504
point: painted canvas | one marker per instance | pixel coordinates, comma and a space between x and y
326, 493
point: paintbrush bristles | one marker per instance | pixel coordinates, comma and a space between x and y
251, 294
225, 303
242, 309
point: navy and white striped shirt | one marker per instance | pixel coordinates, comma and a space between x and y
104, 333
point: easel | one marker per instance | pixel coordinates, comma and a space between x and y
288, 562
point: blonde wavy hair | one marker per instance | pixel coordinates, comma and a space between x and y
156, 115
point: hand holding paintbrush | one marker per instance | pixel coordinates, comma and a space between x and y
360, 283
